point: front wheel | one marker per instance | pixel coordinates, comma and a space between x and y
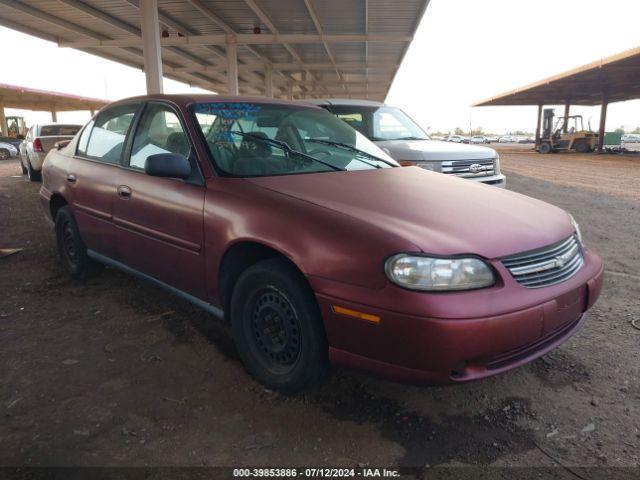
4, 154
72, 250
545, 147
277, 327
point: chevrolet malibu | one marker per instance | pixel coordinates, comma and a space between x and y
313, 244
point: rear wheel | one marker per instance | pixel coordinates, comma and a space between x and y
545, 147
23, 168
582, 147
33, 175
277, 327
72, 250
4, 154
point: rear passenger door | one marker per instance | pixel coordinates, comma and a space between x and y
160, 220
92, 176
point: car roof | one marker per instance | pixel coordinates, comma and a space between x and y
184, 100
351, 102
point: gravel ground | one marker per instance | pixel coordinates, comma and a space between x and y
118, 373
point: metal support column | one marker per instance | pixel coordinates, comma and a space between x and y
54, 116
92, 112
151, 49
3, 120
567, 109
603, 122
303, 87
232, 69
290, 90
268, 82
538, 125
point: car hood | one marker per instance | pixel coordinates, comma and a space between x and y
430, 150
437, 213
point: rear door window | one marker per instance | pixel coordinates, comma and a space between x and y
109, 132
84, 139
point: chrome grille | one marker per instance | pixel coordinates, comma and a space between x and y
546, 266
469, 168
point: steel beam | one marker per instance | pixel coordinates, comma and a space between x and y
150, 29
232, 69
240, 39
268, 82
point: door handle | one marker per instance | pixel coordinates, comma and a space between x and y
71, 178
124, 192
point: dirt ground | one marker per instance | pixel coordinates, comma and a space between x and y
116, 372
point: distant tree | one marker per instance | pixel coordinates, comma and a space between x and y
477, 131
438, 134
637, 130
619, 130
458, 131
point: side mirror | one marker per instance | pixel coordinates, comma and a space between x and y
169, 165
61, 144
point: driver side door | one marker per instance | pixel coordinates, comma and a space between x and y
160, 220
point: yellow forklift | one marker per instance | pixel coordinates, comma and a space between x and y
568, 134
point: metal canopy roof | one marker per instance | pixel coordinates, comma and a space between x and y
12, 96
315, 48
611, 79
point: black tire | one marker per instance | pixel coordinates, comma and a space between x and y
582, 147
23, 168
545, 147
34, 175
72, 250
277, 327
4, 154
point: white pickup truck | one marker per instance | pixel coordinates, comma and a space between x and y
403, 139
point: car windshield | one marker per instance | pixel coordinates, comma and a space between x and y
257, 139
380, 123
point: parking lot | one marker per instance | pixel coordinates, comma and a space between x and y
117, 372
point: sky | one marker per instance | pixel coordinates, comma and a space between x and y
464, 51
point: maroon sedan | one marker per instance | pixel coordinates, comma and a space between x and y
316, 245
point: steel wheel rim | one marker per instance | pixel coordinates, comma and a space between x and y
274, 329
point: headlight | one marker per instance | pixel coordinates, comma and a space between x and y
418, 272
576, 227
496, 163
432, 166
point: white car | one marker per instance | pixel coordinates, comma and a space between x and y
630, 138
508, 139
478, 139
455, 138
7, 150
39, 140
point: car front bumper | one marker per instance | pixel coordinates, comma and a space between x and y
420, 349
496, 180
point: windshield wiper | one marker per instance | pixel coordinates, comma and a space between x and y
411, 138
352, 149
285, 146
